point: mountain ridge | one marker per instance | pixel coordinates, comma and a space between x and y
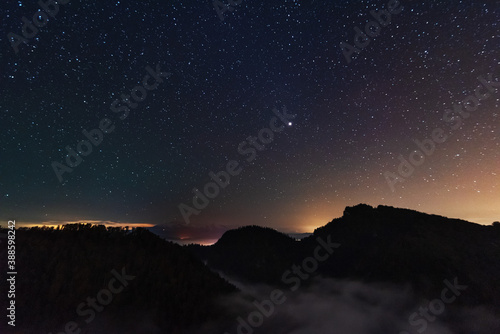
381, 244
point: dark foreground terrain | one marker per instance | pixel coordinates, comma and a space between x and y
366, 272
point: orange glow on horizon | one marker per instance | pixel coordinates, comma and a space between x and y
93, 222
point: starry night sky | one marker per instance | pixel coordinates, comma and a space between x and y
352, 120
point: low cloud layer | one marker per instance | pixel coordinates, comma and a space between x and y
326, 306
331, 306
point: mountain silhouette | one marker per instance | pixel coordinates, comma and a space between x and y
58, 269
382, 244
252, 253
179, 289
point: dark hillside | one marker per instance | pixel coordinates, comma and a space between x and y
171, 290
